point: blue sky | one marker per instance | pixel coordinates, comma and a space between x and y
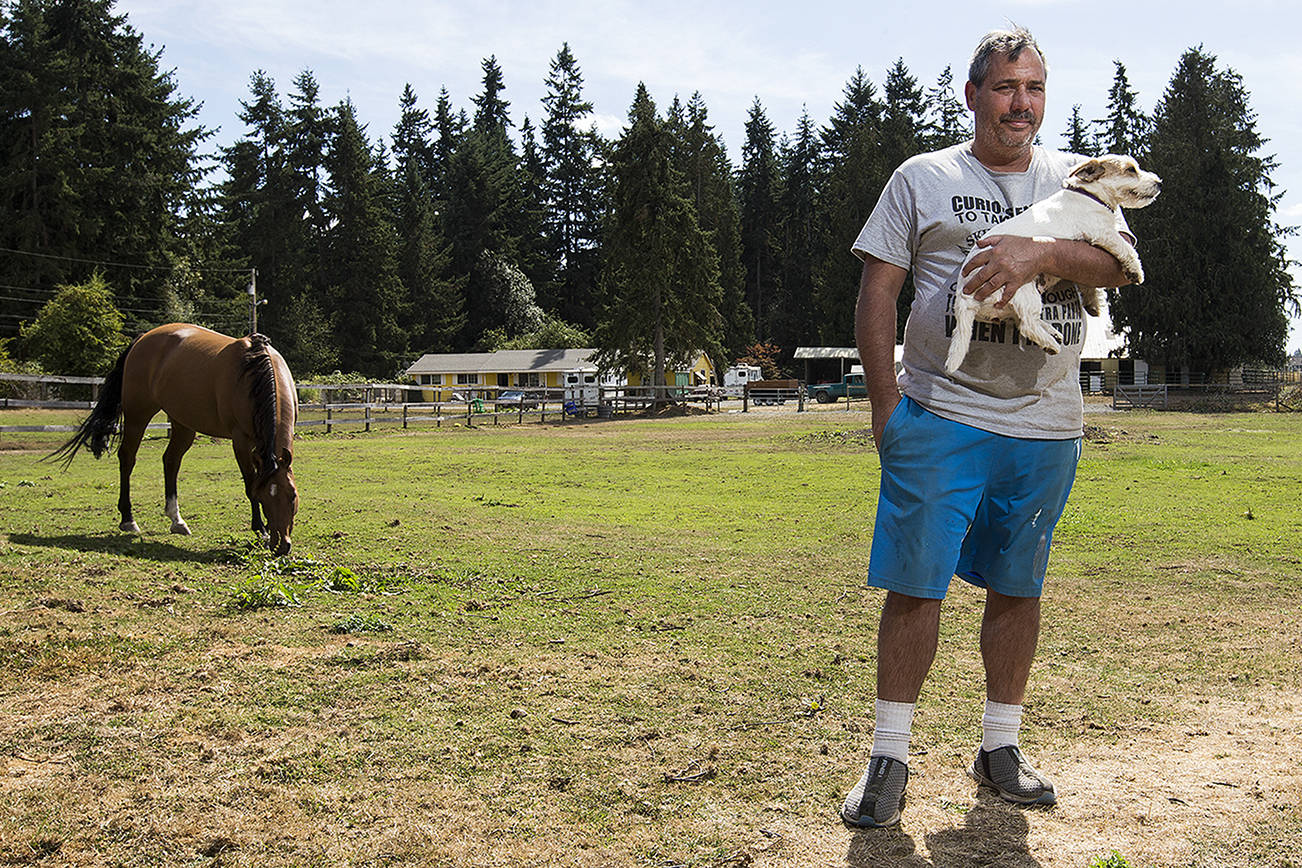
791, 55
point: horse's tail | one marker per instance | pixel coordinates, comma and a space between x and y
100, 429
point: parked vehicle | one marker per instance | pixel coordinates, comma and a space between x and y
852, 386
515, 398
582, 387
736, 378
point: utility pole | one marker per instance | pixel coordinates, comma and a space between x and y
253, 301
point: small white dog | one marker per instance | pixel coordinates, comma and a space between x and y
1084, 210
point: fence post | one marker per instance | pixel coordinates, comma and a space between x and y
404, 415
329, 427
366, 410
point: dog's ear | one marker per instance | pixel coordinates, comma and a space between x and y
1090, 170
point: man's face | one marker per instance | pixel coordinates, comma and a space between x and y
1009, 107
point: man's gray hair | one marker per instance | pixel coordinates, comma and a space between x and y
1006, 43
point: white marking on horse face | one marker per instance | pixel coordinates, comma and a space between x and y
272, 490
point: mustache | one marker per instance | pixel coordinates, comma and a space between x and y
1019, 116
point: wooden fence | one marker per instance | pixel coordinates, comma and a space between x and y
328, 405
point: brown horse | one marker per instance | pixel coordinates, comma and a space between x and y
206, 383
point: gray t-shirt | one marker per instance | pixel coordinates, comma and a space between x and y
929, 216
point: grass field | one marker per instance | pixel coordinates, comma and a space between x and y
639, 642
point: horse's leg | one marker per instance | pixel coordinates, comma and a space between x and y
244, 458
132, 432
179, 440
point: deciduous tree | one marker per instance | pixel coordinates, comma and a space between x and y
78, 332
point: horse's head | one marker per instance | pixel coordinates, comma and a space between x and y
279, 499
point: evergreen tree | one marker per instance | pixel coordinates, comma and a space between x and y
484, 207
1217, 284
661, 278
1124, 129
702, 158
852, 175
307, 130
412, 146
572, 192
298, 315
798, 161
491, 116
437, 309
904, 129
365, 292
1077, 137
535, 254
448, 130
270, 196
757, 193
946, 114
99, 152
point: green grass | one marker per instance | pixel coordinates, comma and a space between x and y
578, 612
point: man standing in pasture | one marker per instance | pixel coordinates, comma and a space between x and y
975, 468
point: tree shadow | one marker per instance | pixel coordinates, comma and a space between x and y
994, 833
128, 545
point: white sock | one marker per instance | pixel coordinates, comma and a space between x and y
999, 725
892, 730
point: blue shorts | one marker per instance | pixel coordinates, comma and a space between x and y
956, 500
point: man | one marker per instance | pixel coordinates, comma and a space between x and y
975, 468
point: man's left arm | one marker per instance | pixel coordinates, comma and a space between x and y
1007, 262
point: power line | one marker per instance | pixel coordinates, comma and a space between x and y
28, 289
222, 269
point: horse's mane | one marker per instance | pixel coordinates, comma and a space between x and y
260, 372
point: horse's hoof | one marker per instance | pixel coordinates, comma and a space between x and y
129, 527
182, 528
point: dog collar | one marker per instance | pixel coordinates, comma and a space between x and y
1088, 194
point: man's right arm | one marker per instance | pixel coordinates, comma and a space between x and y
874, 331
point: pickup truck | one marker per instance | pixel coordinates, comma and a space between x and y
829, 393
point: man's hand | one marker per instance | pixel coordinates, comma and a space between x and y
1005, 263
882, 409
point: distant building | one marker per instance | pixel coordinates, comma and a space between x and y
453, 376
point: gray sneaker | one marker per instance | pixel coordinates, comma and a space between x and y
876, 801
1007, 772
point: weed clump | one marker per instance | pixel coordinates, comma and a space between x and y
356, 623
277, 582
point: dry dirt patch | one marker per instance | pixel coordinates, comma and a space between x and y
1203, 791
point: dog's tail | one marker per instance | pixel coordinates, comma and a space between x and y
961, 339
100, 429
